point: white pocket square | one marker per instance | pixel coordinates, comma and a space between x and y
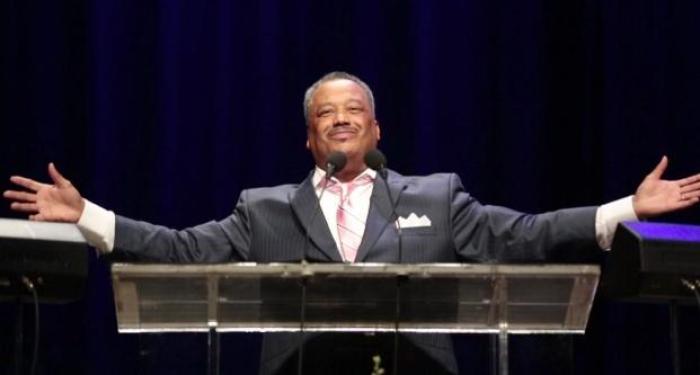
413, 221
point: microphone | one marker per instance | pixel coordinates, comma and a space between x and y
377, 161
335, 162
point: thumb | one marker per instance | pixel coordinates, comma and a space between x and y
57, 177
660, 168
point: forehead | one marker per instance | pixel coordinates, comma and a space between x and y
338, 91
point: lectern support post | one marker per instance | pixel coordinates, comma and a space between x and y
499, 341
213, 352
503, 350
302, 333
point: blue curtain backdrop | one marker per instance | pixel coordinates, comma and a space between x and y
165, 110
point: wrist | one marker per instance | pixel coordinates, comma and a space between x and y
639, 209
79, 211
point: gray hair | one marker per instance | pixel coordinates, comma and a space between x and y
332, 76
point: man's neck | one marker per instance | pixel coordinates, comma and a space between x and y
352, 169
348, 175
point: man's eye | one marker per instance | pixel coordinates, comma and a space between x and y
325, 113
355, 109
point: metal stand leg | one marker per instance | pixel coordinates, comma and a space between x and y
494, 354
499, 352
213, 355
19, 335
675, 342
499, 344
397, 318
302, 323
503, 350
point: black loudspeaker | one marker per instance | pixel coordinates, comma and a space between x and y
653, 262
52, 256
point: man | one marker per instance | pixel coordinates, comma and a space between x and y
271, 224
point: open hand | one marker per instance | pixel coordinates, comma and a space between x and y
44, 202
655, 196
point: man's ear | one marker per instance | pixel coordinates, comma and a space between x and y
377, 130
307, 144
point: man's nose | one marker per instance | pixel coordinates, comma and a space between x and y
340, 118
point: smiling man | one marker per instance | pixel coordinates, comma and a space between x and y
339, 112
272, 225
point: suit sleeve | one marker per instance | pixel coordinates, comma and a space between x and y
492, 234
211, 242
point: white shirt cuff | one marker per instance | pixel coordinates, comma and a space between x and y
97, 225
608, 216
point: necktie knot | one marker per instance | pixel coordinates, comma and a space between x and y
363, 180
345, 190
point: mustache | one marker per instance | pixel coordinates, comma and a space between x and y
341, 129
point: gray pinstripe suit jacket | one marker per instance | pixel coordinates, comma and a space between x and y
270, 225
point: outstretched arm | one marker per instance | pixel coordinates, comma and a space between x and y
655, 196
46, 202
61, 201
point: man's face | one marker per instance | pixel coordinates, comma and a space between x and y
341, 119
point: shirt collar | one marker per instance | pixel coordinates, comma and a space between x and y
320, 174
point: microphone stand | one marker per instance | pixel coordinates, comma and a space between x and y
331, 169
399, 278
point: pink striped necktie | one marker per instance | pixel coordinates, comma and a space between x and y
351, 225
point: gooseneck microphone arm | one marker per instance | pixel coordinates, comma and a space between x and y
377, 161
334, 163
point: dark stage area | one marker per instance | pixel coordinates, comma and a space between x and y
165, 111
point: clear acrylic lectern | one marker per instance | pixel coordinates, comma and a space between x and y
449, 298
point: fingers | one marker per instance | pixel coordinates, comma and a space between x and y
30, 184
38, 217
691, 187
27, 183
19, 195
689, 180
691, 195
25, 207
57, 178
660, 168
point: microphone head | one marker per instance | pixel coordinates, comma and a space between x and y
375, 160
335, 162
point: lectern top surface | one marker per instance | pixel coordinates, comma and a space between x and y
307, 269
35, 230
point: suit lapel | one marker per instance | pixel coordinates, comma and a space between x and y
379, 217
305, 205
